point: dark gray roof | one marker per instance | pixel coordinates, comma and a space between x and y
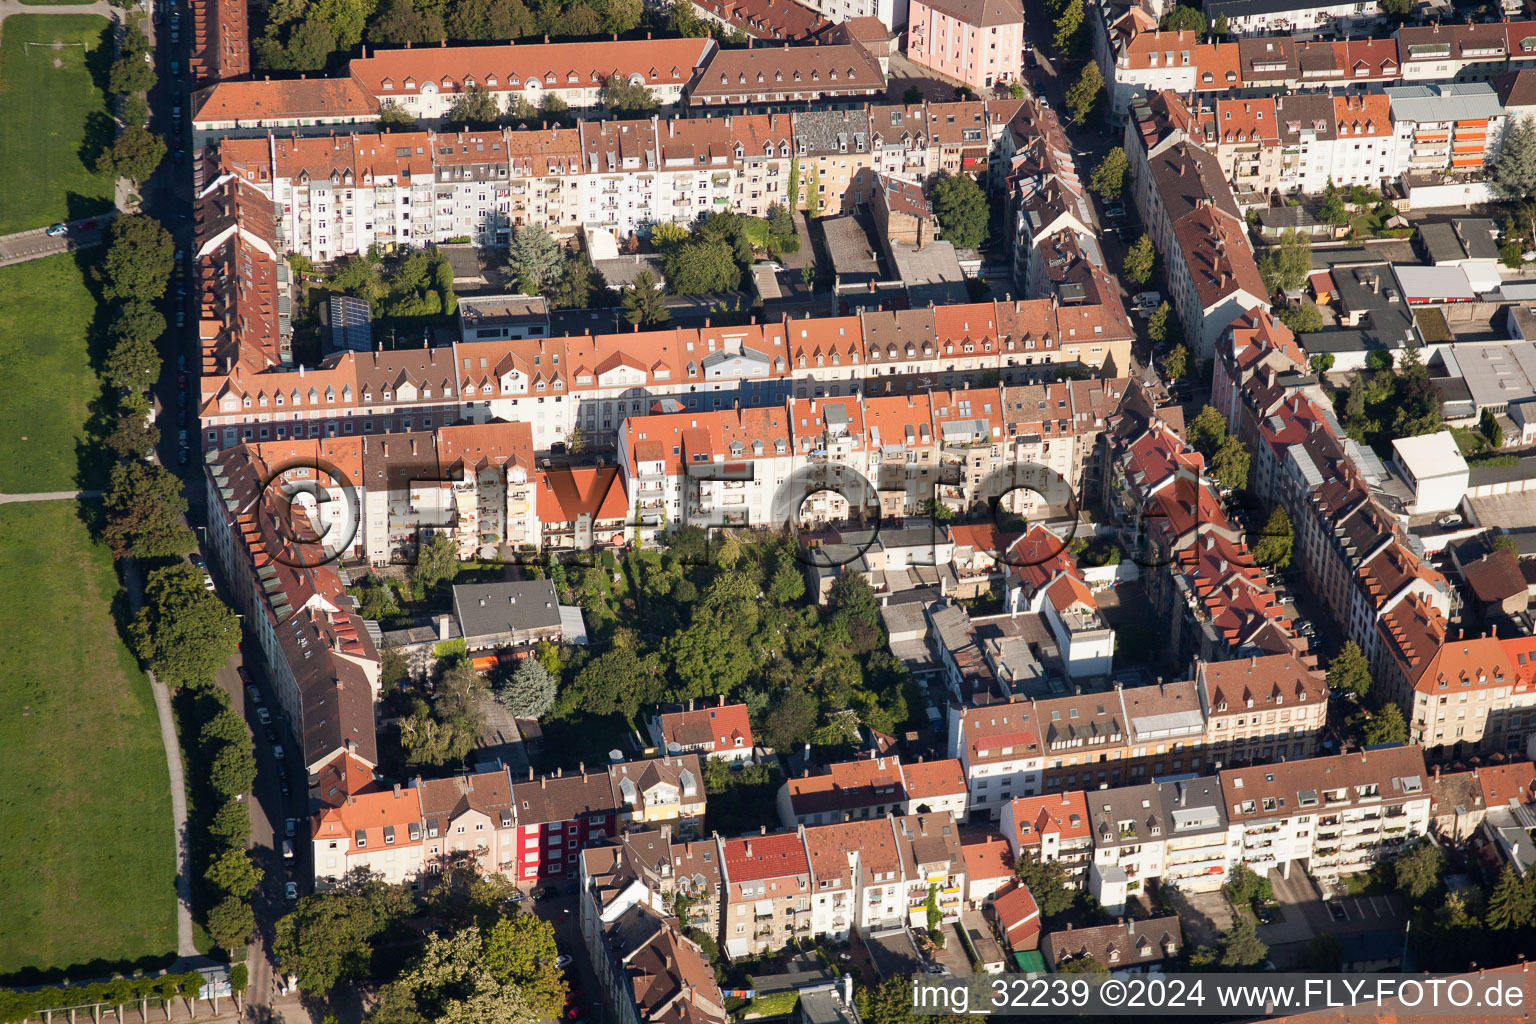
1477, 236
1440, 243
1248, 8
832, 131
1287, 217
487, 608
1305, 111
1185, 176
1481, 476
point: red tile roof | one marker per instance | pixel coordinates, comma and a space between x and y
768, 856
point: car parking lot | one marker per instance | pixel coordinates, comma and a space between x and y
1307, 909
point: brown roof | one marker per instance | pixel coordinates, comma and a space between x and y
306, 98
563, 797
1269, 682
402, 72
1495, 577
834, 847
1125, 942
933, 778
1297, 787
444, 800
981, 13
831, 70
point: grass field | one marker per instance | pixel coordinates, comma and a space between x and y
44, 319
88, 877
55, 118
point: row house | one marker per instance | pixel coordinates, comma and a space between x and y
859, 874
645, 967
269, 541
545, 177
1127, 946
768, 892
1347, 543
597, 382
1472, 695
1041, 576
224, 106
473, 195
428, 81
242, 284
1336, 815
1449, 125
1044, 443
1172, 832
782, 20
221, 41
720, 730
871, 788
835, 164
406, 834
767, 79
1053, 829
557, 816
979, 44
763, 146
933, 866
1298, 18
1193, 219
1261, 709
1137, 59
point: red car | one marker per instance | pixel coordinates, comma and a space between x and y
87, 225
574, 1011
573, 996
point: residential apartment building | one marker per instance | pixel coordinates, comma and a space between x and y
872, 788
834, 158
1172, 832
859, 877
380, 831
557, 816
933, 865
1054, 829
661, 791
978, 42
1299, 19
719, 730
768, 892
1473, 694
1447, 125
1261, 709
764, 79
469, 818
1340, 815
1000, 749
645, 968
428, 81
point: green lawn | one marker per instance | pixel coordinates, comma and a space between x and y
55, 119
44, 318
88, 876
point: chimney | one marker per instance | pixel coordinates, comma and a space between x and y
748, 847
397, 791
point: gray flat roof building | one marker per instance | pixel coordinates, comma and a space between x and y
1447, 101
503, 316
507, 614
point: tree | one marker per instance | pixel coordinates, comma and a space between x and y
935, 915
233, 771
1176, 363
1047, 883
436, 561
239, 980
1333, 210
1184, 19
452, 984
1399, 8
791, 721
1285, 267
133, 364
1386, 726
1219, 26
1489, 427
475, 105
1084, 93
1140, 259
326, 939
535, 258
231, 824
144, 507
1304, 319
579, 282
1207, 430
1514, 175
1511, 904
1245, 886
521, 950
1084, 964
1321, 363
530, 693
1230, 464
444, 732
358, 276
233, 873
230, 923
627, 99
1068, 21
400, 21
393, 115
130, 73
139, 259
780, 221
138, 321
702, 267
1109, 177
222, 729
134, 154
183, 631
130, 439
961, 209
1161, 325
1418, 871
1241, 946
889, 1002
1322, 954
1349, 672
643, 302
1276, 541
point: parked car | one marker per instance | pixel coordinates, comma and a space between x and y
252, 694
1263, 913
197, 560
89, 224
55, 230
1115, 213
291, 827
263, 716
175, 69
277, 752
181, 318
1337, 910
208, 583
270, 734
563, 961
282, 784
1454, 519
182, 455
291, 891
287, 851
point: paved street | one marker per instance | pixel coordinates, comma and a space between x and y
36, 244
